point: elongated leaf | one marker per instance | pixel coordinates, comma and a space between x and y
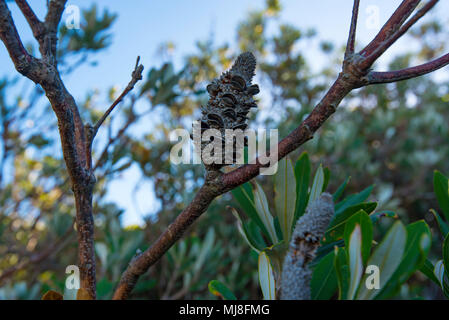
342, 271
340, 190
324, 279
327, 177
376, 216
387, 257
302, 175
337, 225
439, 272
317, 185
285, 196
427, 268
219, 289
444, 228
261, 204
355, 261
441, 188
416, 251
245, 197
362, 219
352, 200
446, 255
241, 226
266, 277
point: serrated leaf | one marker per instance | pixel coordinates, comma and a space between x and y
285, 196
266, 277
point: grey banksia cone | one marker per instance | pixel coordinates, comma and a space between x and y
230, 99
310, 228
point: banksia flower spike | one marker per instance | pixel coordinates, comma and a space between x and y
310, 228
230, 99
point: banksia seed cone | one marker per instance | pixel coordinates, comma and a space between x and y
230, 99
310, 228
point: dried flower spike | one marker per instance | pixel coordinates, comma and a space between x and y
230, 99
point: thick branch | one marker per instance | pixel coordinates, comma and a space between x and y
71, 129
140, 264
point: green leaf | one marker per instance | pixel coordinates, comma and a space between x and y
340, 190
243, 229
355, 261
441, 188
327, 176
342, 271
263, 211
266, 277
444, 228
362, 219
387, 257
446, 255
244, 196
218, 289
416, 251
324, 279
353, 200
427, 269
285, 196
337, 225
376, 216
302, 175
317, 185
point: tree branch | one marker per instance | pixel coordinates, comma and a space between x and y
354, 75
408, 73
393, 24
352, 30
71, 129
35, 24
136, 75
377, 52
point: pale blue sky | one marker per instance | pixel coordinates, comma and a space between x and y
142, 25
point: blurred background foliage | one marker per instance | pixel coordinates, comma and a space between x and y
390, 136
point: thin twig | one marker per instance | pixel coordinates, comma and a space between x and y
399, 33
352, 30
408, 73
136, 75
